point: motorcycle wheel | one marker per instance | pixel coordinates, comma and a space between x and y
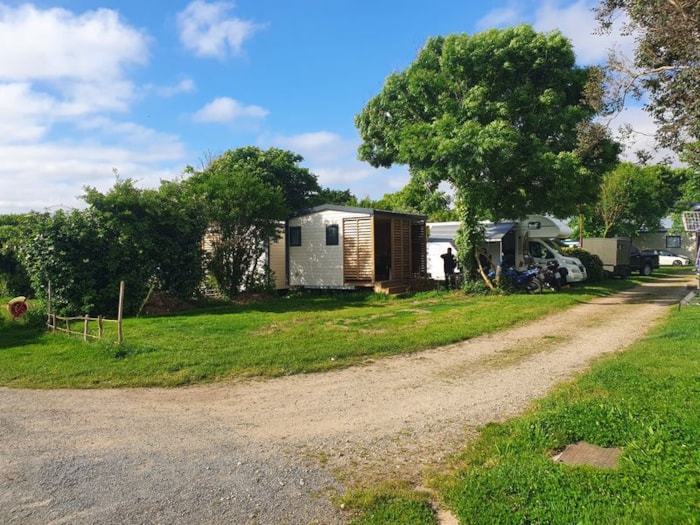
533, 286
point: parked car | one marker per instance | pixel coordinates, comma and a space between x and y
667, 258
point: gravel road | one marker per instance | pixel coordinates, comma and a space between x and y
277, 451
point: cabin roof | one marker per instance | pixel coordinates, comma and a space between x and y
353, 209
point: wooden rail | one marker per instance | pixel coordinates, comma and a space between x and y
85, 320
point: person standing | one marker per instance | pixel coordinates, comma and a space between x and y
449, 263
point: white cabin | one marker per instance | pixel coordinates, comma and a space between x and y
346, 247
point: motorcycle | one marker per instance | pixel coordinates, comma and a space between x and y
552, 276
526, 280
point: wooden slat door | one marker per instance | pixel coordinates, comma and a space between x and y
401, 249
358, 259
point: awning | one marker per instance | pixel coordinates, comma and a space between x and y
447, 231
496, 232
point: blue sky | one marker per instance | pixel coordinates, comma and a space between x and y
93, 89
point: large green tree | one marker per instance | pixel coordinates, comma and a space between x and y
82, 262
246, 194
633, 198
505, 116
665, 66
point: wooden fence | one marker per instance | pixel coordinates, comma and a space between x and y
67, 324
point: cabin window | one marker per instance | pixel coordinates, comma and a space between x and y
673, 241
332, 235
295, 236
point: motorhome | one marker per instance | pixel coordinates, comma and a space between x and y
510, 243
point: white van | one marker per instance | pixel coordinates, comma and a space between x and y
543, 250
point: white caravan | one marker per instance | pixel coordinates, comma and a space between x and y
510, 242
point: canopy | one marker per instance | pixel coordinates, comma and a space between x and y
447, 231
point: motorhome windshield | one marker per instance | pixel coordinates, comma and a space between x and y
552, 247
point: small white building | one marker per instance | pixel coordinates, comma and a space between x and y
346, 247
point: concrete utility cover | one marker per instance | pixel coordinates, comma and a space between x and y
583, 453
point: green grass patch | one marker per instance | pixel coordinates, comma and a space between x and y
281, 336
390, 504
645, 401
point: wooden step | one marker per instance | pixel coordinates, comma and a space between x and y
391, 287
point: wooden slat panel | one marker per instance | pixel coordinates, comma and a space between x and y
419, 263
358, 261
401, 249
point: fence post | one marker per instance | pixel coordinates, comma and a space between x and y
49, 321
99, 326
86, 327
120, 334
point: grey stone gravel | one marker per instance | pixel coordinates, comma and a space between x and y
240, 485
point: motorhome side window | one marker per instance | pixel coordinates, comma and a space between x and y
295, 236
332, 235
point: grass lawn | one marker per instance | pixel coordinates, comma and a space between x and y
290, 335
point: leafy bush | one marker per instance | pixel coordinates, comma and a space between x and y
593, 263
150, 239
13, 276
84, 262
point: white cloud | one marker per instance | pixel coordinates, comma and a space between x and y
226, 110
72, 70
206, 31
71, 64
318, 147
577, 22
53, 174
502, 17
333, 159
186, 85
56, 44
641, 137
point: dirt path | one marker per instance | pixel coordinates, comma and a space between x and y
273, 451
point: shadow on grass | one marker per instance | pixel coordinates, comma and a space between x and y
308, 301
18, 334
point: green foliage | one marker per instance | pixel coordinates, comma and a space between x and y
593, 263
83, 262
246, 194
665, 69
13, 276
645, 401
476, 287
146, 238
419, 196
161, 229
633, 198
330, 196
502, 116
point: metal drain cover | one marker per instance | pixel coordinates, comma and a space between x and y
583, 453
